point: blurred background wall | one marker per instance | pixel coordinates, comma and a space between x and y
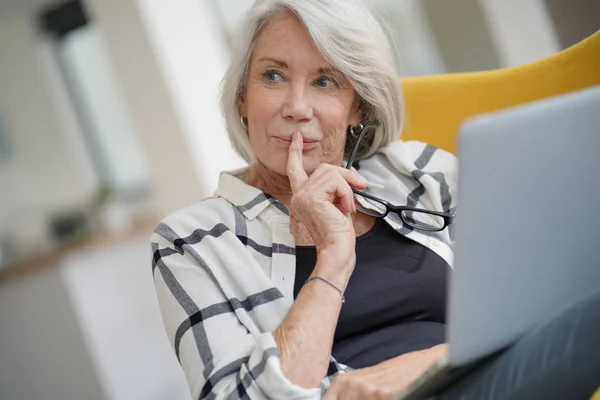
109, 120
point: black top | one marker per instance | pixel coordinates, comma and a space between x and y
395, 299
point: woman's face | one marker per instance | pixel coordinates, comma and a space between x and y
292, 88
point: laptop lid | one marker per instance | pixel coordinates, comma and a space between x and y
527, 233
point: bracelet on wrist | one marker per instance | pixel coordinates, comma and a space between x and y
329, 283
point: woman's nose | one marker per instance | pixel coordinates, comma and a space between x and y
297, 106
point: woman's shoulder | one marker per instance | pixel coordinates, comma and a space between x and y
210, 214
407, 168
408, 157
419, 154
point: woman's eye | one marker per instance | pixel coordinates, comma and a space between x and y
326, 82
272, 76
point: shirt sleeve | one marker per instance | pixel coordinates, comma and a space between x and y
335, 369
221, 359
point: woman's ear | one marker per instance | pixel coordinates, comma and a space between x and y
356, 113
243, 105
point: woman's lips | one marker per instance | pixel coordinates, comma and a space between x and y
286, 141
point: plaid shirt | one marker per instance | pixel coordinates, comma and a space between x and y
224, 272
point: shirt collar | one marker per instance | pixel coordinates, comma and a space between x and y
252, 201
249, 200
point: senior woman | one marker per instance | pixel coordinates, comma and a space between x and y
300, 272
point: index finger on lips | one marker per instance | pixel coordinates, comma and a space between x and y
295, 167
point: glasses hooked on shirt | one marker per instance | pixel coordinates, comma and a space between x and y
416, 218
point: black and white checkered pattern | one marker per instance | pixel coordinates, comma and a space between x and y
224, 271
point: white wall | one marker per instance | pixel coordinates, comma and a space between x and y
87, 64
461, 34
417, 51
193, 57
169, 71
174, 109
46, 172
522, 30
413, 37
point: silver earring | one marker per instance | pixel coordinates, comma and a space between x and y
244, 122
359, 126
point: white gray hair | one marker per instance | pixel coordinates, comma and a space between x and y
350, 39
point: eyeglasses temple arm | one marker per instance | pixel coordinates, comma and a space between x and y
367, 126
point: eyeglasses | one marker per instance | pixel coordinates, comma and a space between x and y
416, 218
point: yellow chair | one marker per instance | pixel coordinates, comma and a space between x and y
437, 105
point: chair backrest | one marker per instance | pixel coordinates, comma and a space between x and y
437, 105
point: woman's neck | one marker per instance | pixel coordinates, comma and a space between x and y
278, 186
270, 182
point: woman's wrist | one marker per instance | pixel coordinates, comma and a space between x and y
335, 271
340, 259
328, 283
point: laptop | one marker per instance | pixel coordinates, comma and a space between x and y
526, 229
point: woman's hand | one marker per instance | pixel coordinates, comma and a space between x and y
384, 381
323, 203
